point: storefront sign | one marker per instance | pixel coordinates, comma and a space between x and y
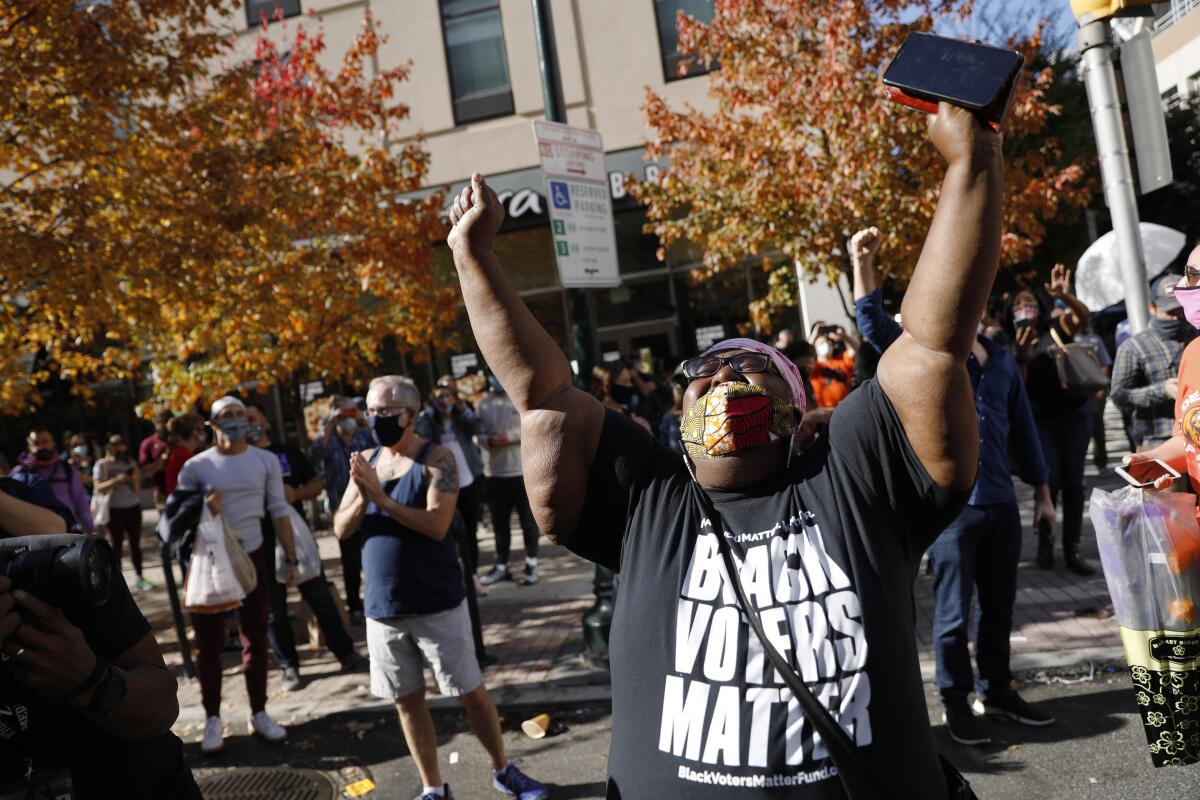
585, 242
709, 335
462, 364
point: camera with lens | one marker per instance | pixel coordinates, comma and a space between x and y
64, 570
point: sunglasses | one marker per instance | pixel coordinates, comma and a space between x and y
743, 363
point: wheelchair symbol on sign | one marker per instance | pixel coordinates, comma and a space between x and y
559, 195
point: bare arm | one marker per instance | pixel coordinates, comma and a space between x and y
27, 519
924, 373
1059, 287
863, 246
560, 425
440, 500
350, 513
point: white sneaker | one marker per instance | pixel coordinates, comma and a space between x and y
262, 724
214, 737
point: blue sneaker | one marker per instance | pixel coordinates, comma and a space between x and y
515, 783
446, 795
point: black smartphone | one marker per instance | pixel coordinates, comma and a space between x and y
978, 77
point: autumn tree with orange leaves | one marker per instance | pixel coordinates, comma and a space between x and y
804, 148
169, 205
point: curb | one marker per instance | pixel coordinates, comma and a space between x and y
1048, 659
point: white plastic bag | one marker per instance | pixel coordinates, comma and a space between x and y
101, 504
212, 583
1150, 548
306, 551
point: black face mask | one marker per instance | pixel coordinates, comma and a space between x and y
43, 455
1174, 329
387, 430
622, 394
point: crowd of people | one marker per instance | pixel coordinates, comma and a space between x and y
770, 505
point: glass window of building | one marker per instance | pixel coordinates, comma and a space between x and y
1171, 99
271, 9
666, 16
476, 59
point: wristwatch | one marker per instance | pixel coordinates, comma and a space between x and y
109, 693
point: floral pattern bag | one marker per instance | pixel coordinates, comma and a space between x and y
1150, 548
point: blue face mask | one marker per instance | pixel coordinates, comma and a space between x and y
387, 430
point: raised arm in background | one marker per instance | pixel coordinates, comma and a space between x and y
1059, 288
560, 425
924, 373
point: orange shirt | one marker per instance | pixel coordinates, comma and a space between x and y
831, 380
1187, 409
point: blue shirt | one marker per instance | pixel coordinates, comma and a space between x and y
408, 572
334, 456
1001, 405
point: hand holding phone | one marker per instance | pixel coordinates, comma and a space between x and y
929, 69
1148, 473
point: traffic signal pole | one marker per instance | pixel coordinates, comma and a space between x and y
1095, 40
598, 619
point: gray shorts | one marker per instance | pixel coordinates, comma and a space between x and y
400, 648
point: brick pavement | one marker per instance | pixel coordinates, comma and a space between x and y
535, 631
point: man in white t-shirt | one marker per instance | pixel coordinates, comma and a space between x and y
241, 483
501, 446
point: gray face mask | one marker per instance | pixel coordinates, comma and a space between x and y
235, 430
255, 432
348, 426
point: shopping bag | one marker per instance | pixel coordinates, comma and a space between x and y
306, 551
239, 559
1150, 548
100, 507
212, 586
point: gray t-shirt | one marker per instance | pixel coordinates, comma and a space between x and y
499, 415
123, 495
251, 483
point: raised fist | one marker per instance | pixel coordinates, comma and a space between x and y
865, 244
959, 136
476, 215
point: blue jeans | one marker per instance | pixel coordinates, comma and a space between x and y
979, 550
1064, 444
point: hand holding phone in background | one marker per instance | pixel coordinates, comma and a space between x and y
1142, 472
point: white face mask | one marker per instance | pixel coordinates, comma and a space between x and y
823, 349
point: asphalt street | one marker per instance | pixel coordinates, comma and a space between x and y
1097, 750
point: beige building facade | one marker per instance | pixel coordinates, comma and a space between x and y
474, 91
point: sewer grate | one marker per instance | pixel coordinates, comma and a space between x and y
278, 783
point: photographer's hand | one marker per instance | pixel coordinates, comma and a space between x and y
46, 653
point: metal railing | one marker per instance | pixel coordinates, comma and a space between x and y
1178, 10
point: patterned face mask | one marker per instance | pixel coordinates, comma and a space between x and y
734, 417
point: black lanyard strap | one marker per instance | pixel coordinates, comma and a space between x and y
855, 778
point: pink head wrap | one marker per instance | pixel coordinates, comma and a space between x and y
786, 368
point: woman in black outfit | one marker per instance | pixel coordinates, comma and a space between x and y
1064, 420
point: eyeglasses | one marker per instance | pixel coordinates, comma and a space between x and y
744, 363
387, 411
1191, 276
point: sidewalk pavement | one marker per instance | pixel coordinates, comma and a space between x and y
1060, 620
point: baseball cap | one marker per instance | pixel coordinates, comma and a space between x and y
1162, 292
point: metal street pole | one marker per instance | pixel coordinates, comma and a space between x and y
1095, 40
598, 619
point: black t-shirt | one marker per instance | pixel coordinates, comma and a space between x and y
830, 550
61, 738
297, 469
1047, 397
